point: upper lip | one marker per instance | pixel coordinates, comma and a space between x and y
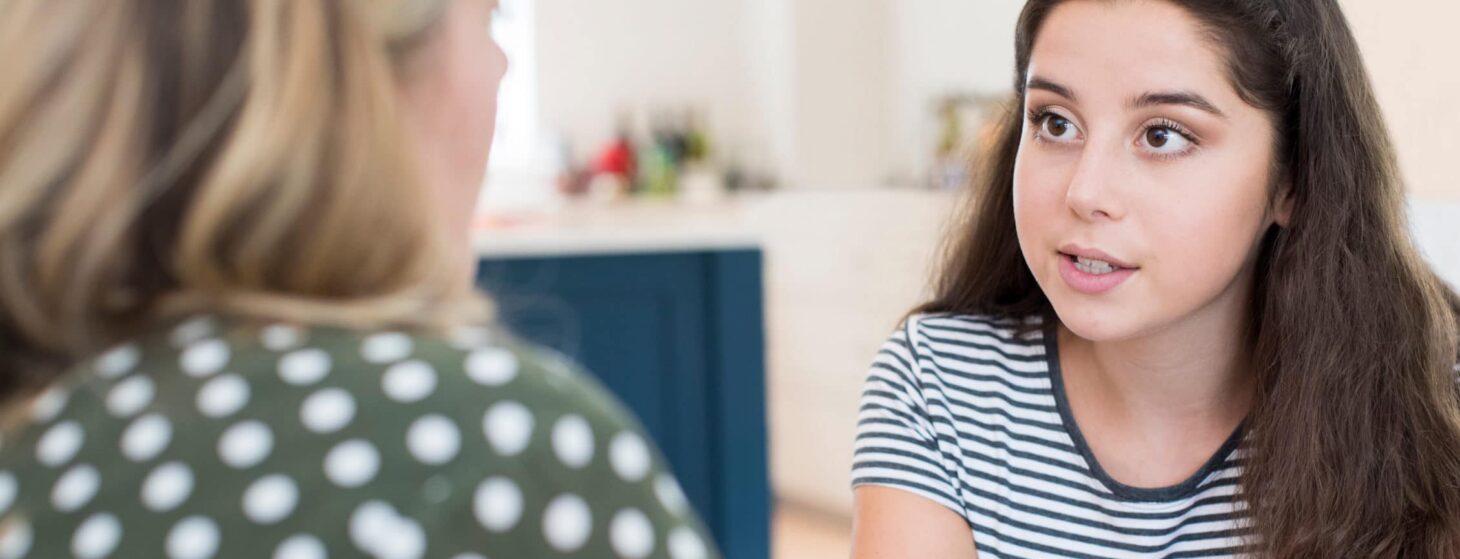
1094, 254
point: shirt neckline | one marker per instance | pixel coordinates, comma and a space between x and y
1181, 490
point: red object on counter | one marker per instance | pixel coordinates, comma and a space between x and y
617, 159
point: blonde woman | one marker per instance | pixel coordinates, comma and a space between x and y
235, 310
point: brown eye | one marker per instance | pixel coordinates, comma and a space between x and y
1158, 137
1057, 126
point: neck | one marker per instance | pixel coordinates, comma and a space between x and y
1198, 368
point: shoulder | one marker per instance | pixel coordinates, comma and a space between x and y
340, 429
985, 338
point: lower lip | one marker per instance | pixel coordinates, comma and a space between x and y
1091, 284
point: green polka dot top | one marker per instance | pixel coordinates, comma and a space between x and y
216, 438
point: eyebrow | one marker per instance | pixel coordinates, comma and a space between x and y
1036, 82
1148, 99
1187, 98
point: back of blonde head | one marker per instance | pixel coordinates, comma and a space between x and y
240, 156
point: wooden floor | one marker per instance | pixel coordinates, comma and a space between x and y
801, 533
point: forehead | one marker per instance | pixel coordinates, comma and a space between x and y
1105, 49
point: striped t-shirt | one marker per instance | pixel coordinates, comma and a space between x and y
962, 410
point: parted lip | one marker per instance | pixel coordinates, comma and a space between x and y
1094, 254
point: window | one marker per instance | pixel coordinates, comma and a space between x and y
516, 144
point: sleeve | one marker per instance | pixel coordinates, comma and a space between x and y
897, 443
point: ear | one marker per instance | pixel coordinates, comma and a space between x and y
1282, 204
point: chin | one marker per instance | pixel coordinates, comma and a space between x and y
1097, 322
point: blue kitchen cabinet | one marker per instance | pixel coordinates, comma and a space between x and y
678, 336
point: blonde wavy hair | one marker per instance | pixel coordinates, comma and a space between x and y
249, 157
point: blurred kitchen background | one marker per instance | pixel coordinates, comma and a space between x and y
724, 206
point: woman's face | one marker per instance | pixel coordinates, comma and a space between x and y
1140, 156
450, 92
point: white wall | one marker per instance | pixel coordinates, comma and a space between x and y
944, 47
597, 58
841, 93
1412, 54
800, 87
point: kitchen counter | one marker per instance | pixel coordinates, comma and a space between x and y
627, 227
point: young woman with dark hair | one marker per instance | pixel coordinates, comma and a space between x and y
1185, 316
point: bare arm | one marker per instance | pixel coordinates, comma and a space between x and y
892, 524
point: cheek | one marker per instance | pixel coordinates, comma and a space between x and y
1204, 233
1039, 194
479, 74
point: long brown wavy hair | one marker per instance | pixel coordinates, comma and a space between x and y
165, 157
1354, 436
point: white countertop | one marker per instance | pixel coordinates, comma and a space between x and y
634, 226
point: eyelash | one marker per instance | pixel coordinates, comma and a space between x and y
1193, 142
1037, 118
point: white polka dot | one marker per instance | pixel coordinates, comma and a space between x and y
369, 521
567, 523
327, 411
15, 539
8, 487
685, 544
301, 546
629, 456
404, 540
631, 534
498, 504
305, 366
434, 440
270, 499
409, 381
75, 488
669, 493
97, 537
386, 348
508, 427
205, 358
118, 361
167, 487
146, 437
378, 530
194, 537
193, 330
246, 444
351, 463
49, 404
491, 366
60, 443
130, 396
573, 441
223, 396
281, 337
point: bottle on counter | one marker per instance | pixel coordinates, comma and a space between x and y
616, 169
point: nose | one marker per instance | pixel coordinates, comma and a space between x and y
1094, 193
504, 62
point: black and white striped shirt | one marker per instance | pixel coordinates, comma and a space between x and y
961, 410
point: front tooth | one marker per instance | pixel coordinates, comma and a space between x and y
1092, 266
